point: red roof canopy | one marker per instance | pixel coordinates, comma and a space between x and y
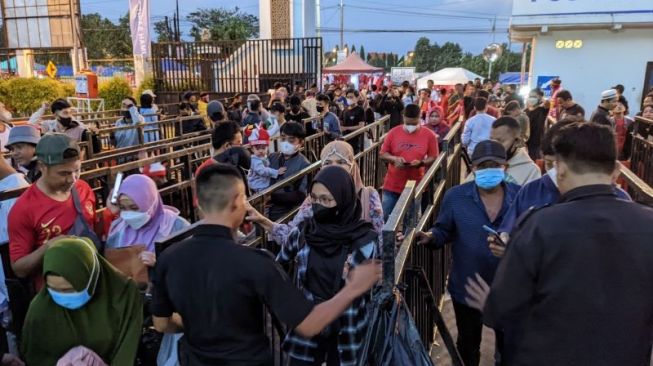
353, 64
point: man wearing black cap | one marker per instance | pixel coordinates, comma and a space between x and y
59, 203
465, 210
408, 149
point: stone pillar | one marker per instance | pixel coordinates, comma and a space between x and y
25, 63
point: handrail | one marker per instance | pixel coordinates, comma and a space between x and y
643, 191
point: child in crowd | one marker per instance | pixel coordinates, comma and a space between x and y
260, 172
285, 199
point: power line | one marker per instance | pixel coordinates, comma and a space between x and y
424, 14
443, 31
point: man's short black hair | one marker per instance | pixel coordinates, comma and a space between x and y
509, 122
551, 134
295, 100
480, 104
59, 104
564, 95
214, 186
293, 129
412, 111
323, 98
352, 91
539, 92
374, 87
405, 83
278, 85
278, 107
587, 148
385, 89
512, 106
620, 88
483, 94
224, 132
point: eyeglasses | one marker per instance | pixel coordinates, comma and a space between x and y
323, 200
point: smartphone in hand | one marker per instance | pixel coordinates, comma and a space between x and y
494, 234
116, 187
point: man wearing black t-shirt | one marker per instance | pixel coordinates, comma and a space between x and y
570, 110
214, 290
297, 114
353, 118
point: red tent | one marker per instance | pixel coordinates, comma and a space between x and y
353, 64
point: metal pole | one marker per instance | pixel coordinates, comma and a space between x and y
318, 23
489, 72
342, 25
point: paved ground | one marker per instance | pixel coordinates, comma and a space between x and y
439, 351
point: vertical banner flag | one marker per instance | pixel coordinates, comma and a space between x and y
139, 25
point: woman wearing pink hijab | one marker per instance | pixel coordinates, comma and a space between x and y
143, 217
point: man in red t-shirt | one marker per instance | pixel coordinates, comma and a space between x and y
408, 149
47, 210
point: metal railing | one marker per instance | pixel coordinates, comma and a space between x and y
639, 190
420, 272
642, 150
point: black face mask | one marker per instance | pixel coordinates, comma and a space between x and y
126, 114
255, 105
324, 215
320, 109
65, 121
295, 109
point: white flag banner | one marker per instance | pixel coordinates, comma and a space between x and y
139, 25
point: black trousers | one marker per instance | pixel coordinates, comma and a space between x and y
469, 322
327, 351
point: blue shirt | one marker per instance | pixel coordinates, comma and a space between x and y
332, 125
537, 194
128, 137
461, 221
477, 129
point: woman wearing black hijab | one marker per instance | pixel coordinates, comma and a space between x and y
324, 248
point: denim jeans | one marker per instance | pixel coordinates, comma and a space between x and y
389, 201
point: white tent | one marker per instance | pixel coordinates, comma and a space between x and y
448, 76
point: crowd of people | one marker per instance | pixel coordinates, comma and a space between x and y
549, 280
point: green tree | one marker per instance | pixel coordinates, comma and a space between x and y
104, 39
423, 58
447, 55
362, 52
163, 31
223, 24
353, 48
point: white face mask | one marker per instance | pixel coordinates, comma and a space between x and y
135, 219
351, 102
553, 174
410, 128
287, 148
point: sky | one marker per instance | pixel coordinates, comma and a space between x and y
425, 17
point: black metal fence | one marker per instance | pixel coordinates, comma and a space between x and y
421, 272
641, 161
229, 67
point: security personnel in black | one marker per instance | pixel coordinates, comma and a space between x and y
574, 287
214, 290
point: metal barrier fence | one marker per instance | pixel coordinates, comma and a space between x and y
420, 272
240, 66
642, 150
639, 190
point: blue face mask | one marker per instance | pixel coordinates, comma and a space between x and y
489, 178
75, 300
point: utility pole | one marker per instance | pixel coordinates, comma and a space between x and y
342, 24
318, 23
177, 30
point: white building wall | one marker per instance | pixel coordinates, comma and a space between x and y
606, 58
